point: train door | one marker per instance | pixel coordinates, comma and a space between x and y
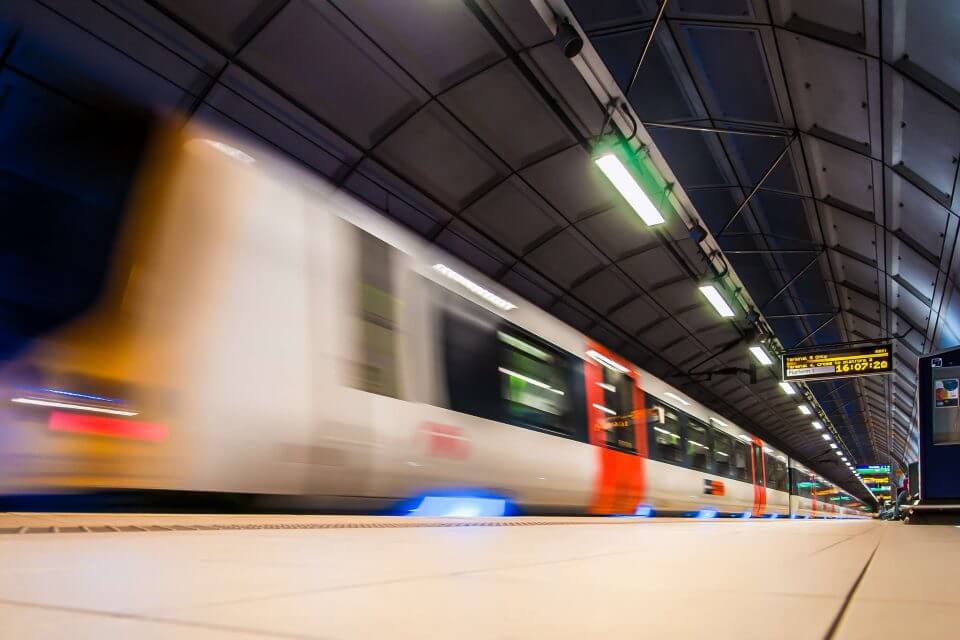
617, 427
759, 479
353, 348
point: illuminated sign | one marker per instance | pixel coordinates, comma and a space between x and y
873, 470
822, 365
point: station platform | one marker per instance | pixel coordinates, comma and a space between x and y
324, 577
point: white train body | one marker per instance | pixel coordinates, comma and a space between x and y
279, 338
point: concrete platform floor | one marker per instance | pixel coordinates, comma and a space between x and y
73, 576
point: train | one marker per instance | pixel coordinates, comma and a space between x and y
261, 332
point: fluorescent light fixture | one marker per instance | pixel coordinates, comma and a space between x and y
608, 387
712, 294
606, 410
838, 452
804, 409
474, 288
833, 445
826, 436
761, 355
695, 443
533, 381
788, 388
817, 425
844, 458
607, 362
720, 453
629, 188
69, 405
670, 394
718, 421
665, 432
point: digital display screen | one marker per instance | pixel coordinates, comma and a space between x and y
873, 470
822, 365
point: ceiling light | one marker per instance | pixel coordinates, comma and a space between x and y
788, 388
826, 436
839, 453
670, 394
817, 425
804, 409
628, 187
844, 458
474, 288
712, 294
833, 445
761, 355
607, 362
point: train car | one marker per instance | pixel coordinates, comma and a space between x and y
263, 334
812, 496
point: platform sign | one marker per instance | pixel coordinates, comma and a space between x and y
877, 479
837, 363
873, 470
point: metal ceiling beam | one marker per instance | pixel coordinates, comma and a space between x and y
756, 187
784, 316
789, 282
811, 334
809, 179
646, 47
770, 251
726, 23
702, 129
703, 104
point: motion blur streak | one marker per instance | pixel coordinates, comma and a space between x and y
107, 427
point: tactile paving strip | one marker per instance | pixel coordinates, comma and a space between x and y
134, 528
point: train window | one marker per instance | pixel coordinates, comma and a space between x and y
498, 371
664, 432
533, 383
618, 426
741, 461
376, 306
697, 439
776, 473
801, 483
470, 363
722, 452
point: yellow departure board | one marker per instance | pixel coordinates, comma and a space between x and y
838, 363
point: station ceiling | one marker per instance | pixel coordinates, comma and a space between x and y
463, 120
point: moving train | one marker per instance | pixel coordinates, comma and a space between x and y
261, 333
